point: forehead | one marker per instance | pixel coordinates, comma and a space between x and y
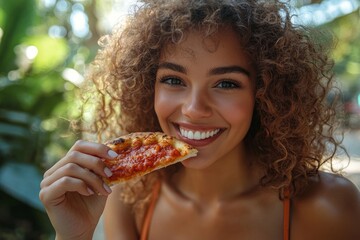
221, 48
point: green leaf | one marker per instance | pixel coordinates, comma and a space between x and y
14, 131
22, 181
18, 17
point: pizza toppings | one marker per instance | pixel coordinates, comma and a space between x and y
144, 152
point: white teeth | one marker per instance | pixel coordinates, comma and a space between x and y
197, 135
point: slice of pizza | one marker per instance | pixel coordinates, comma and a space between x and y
143, 152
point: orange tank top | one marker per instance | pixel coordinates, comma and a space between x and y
155, 195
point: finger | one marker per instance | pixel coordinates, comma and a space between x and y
95, 149
84, 160
54, 194
93, 181
89, 148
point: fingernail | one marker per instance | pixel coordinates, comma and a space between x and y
108, 172
112, 154
91, 192
107, 188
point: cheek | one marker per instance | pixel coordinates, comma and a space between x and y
238, 110
164, 104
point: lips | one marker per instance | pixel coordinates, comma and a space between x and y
196, 136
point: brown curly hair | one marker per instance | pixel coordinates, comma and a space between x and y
292, 126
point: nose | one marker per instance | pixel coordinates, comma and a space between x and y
196, 105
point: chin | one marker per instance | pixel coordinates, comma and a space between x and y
196, 163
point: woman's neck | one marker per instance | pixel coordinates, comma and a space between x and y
227, 178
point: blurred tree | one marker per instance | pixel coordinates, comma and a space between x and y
347, 52
13, 30
44, 48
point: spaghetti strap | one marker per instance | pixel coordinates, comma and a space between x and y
150, 211
286, 205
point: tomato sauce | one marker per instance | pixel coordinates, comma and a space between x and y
140, 158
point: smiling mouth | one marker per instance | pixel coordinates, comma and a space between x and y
198, 135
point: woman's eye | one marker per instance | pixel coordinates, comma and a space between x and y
172, 81
227, 84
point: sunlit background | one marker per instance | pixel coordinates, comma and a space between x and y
45, 47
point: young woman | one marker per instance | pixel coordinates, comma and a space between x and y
248, 89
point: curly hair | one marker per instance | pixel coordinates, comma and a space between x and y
293, 124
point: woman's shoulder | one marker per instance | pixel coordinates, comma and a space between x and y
330, 205
332, 189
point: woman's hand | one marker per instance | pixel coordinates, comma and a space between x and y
73, 192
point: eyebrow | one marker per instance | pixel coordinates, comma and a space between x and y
172, 66
214, 71
229, 69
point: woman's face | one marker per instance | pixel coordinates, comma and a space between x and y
204, 95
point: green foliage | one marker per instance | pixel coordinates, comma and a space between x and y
14, 29
347, 52
52, 52
35, 103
